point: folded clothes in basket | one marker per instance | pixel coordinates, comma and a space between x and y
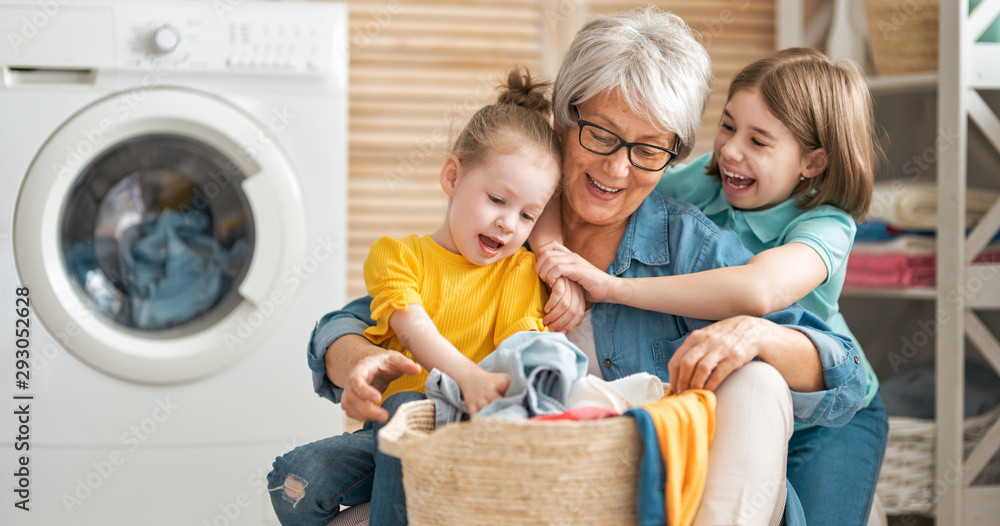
593, 398
618, 395
543, 366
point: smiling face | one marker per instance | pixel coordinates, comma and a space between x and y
494, 204
760, 160
604, 190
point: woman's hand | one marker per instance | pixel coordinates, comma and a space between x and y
710, 354
368, 379
565, 307
556, 261
480, 387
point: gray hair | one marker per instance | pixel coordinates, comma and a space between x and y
652, 57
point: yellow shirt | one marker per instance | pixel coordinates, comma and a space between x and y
474, 307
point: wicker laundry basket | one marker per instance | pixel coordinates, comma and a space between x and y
489, 472
906, 483
903, 35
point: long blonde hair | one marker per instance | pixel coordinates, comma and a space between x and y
826, 105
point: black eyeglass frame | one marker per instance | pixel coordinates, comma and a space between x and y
622, 142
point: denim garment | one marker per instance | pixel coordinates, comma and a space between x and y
543, 366
343, 470
834, 470
354, 318
178, 270
171, 268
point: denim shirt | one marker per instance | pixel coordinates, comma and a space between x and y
664, 237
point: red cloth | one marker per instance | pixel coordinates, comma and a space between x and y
579, 413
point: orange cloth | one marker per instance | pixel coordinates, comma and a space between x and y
685, 424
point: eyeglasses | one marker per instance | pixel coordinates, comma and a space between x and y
605, 142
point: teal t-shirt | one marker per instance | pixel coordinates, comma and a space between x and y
827, 229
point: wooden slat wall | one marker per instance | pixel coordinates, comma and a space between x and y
419, 69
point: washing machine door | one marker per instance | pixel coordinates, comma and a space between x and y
153, 235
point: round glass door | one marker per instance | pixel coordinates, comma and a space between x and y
157, 254
156, 235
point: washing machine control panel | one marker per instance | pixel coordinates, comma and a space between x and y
216, 36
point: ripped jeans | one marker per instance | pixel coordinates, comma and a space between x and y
310, 483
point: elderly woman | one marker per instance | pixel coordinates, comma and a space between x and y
642, 80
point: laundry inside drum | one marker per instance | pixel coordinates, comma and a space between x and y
157, 235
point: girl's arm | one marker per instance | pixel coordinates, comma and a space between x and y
566, 305
772, 280
548, 228
418, 333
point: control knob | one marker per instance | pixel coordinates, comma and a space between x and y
164, 40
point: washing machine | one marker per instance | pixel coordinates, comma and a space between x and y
172, 223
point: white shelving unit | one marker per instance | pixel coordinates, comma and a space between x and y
966, 69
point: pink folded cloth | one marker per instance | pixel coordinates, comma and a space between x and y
898, 270
890, 270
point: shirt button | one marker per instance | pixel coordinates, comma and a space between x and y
608, 362
857, 360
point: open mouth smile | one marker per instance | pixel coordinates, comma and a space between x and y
489, 245
736, 183
607, 190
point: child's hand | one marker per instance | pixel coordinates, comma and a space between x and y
480, 387
565, 307
556, 261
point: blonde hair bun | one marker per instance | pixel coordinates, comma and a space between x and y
525, 91
519, 118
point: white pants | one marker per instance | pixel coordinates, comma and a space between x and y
748, 456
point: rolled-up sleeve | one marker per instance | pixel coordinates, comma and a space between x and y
354, 318
843, 368
843, 373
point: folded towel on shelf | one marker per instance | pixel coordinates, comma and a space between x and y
890, 271
906, 261
877, 231
913, 205
873, 231
916, 245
